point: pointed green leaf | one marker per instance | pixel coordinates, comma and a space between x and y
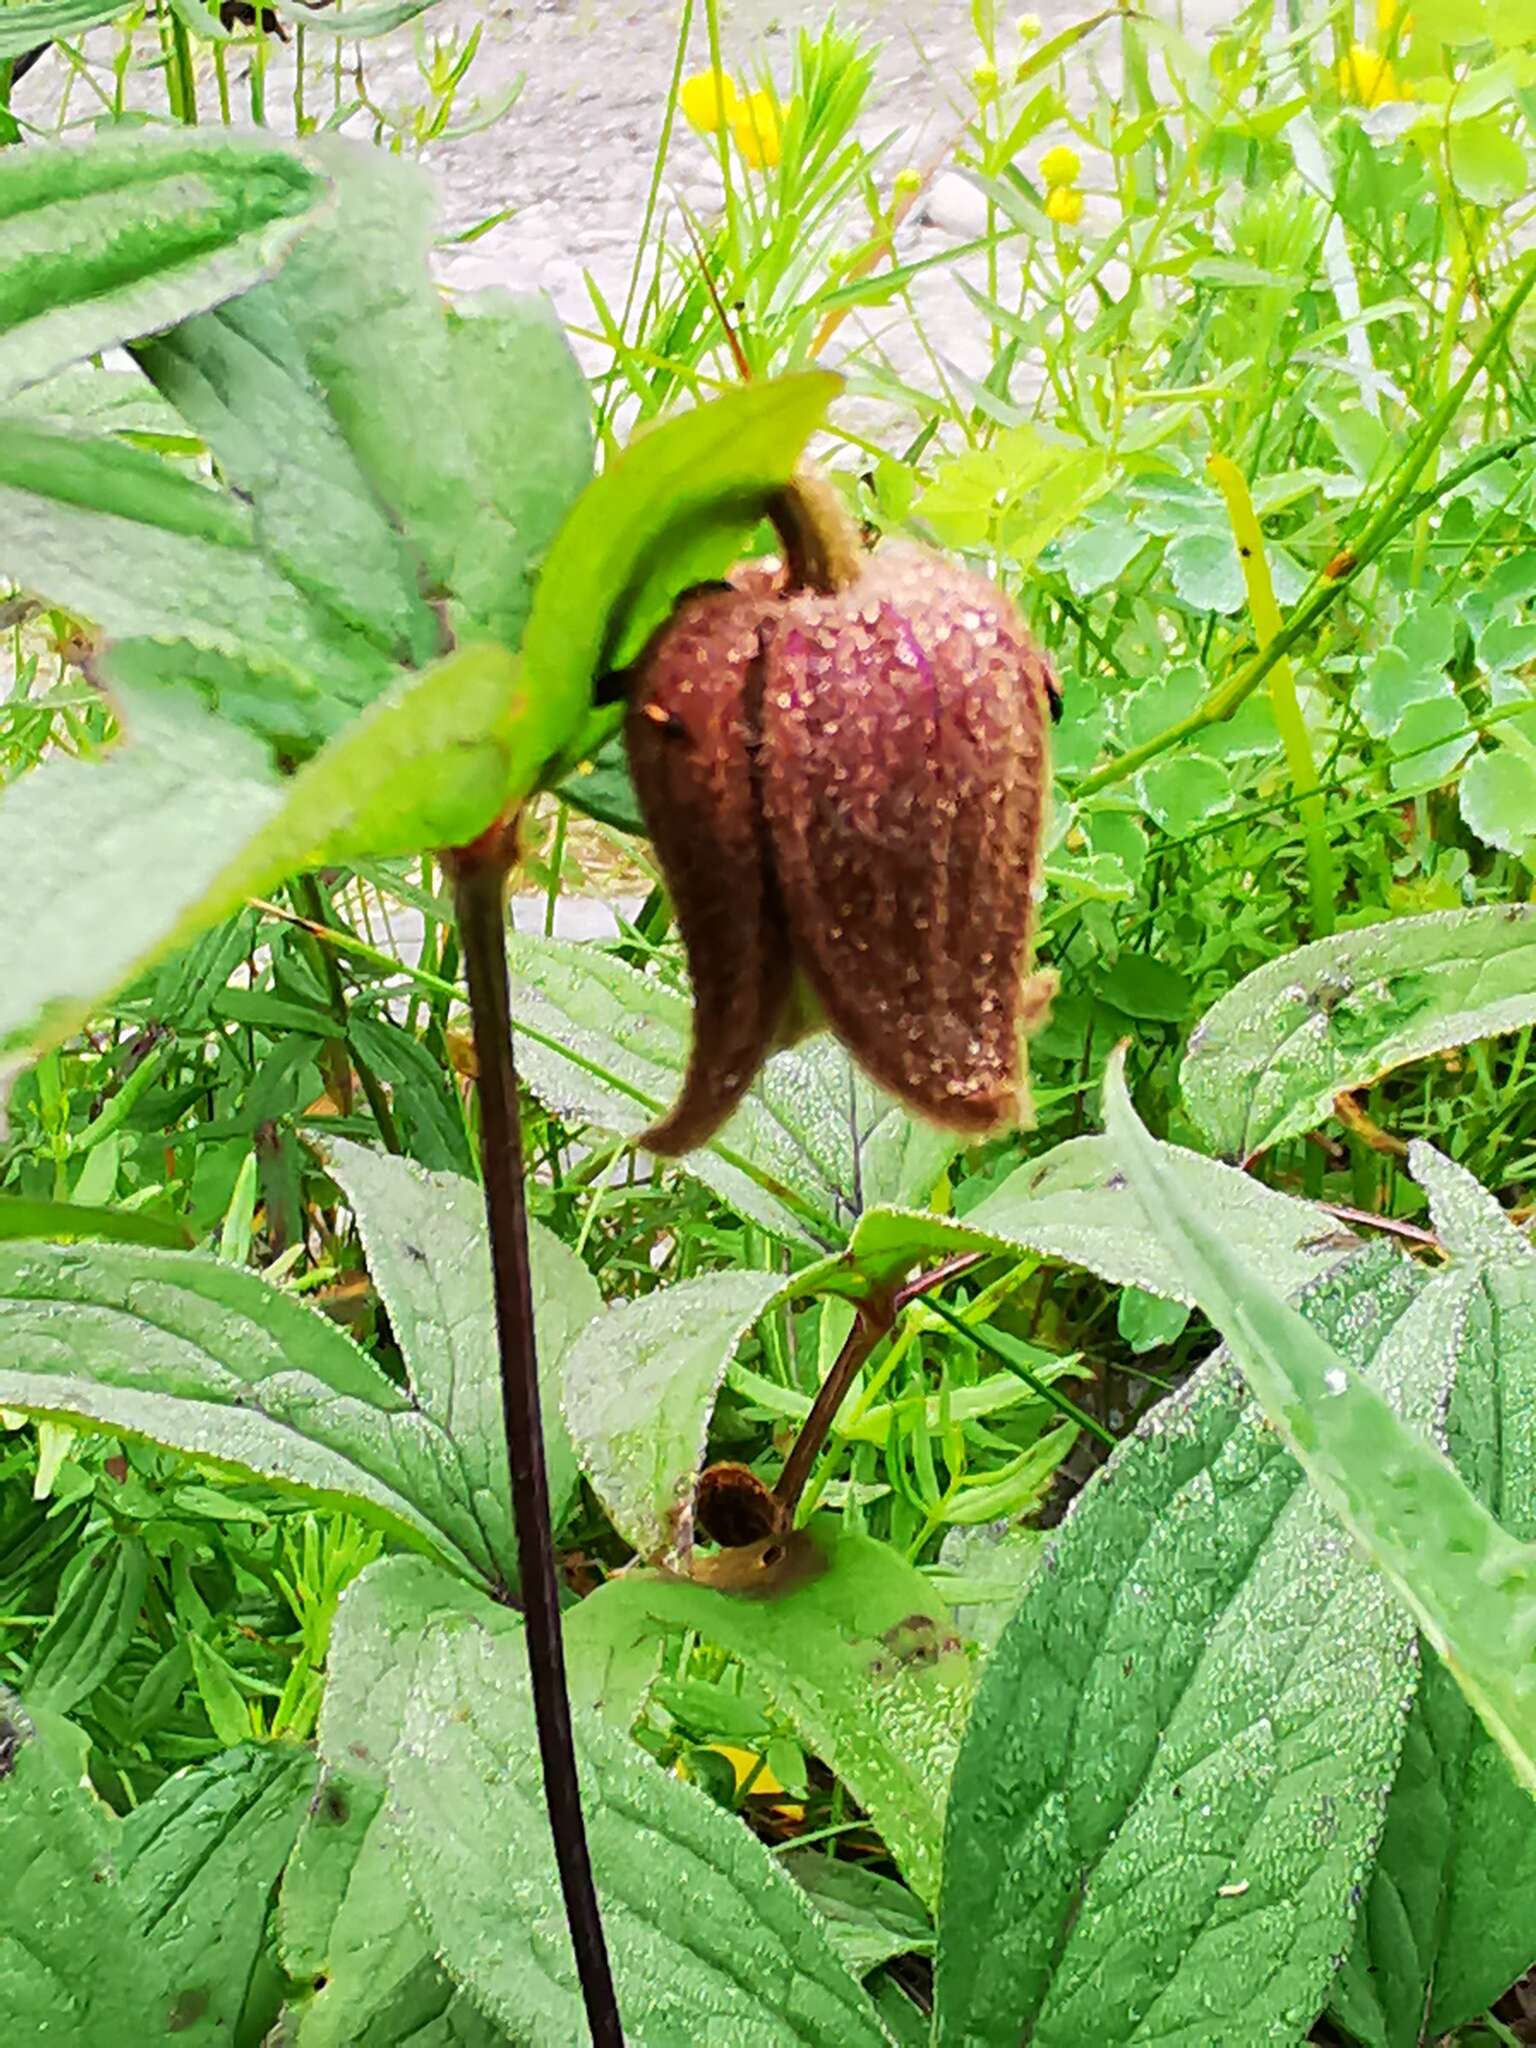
1267, 1061
707, 1935
92, 1625
425, 1239
187, 819
131, 233
1175, 1767
1469, 1584
203, 1357
865, 1663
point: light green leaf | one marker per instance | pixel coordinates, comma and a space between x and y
132, 232
1174, 1769
1447, 1921
813, 1145
1205, 572
606, 574
1267, 1061
708, 1937
865, 1663
1486, 160
1469, 1584
641, 1432
425, 1239
189, 1352
1497, 795
25, 1216
92, 1625
380, 18
869, 1918
30, 22
238, 377
187, 819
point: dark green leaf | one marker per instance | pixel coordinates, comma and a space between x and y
91, 1627
1175, 1768
24, 1216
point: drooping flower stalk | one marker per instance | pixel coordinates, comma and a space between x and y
843, 767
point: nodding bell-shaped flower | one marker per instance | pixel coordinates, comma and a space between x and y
845, 786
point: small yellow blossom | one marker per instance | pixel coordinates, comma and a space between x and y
755, 125
708, 101
907, 182
1365, 75
1064, 205
984, 79
1060, 166
1028, 26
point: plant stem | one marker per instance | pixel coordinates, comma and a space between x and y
310, 901
479, 876
871, 1322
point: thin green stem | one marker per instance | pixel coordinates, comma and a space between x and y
310, 900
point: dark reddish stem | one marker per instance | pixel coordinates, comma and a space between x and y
874, 1320
479, 878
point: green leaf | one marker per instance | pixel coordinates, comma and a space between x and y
121, 538
432, 407
422, 1093
208, 1359
1469, 1584
30, 22
1446, 1924
238, 377
705, 1932
812, 1146
91, 1627
381, 18
346, 1914
133, 232
1267, 1061
1205, 572
187, 819
425, 1239
869, 1918
602, 787
26, 1216
865, 1663
605, 578
641, 1433
1486, 161
1497, 795
144, 1930
1173, 1772
198, 1863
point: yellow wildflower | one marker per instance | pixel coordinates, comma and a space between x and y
709, 100
1028, 26
755, 125
1365, 75
1060, 166
984, 79
908, 182
1064, 205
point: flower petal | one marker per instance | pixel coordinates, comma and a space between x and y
692, 731
904, 783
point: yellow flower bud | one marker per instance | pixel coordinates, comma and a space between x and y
708, 100
984, 79
1028, 26
755, 125
1064, 205
1060, 166
907, 181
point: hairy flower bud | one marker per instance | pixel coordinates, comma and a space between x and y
851, 783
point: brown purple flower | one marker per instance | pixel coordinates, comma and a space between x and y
851, 783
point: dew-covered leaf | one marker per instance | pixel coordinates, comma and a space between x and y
187, 819
201, 1356
1176, 1766
865, 1663
640, 1428
424, 1235
1267, 1061
1469, 1584
869, 1917
708, 1937
813, 1145
134, 231
1449, 1918
1497, 795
